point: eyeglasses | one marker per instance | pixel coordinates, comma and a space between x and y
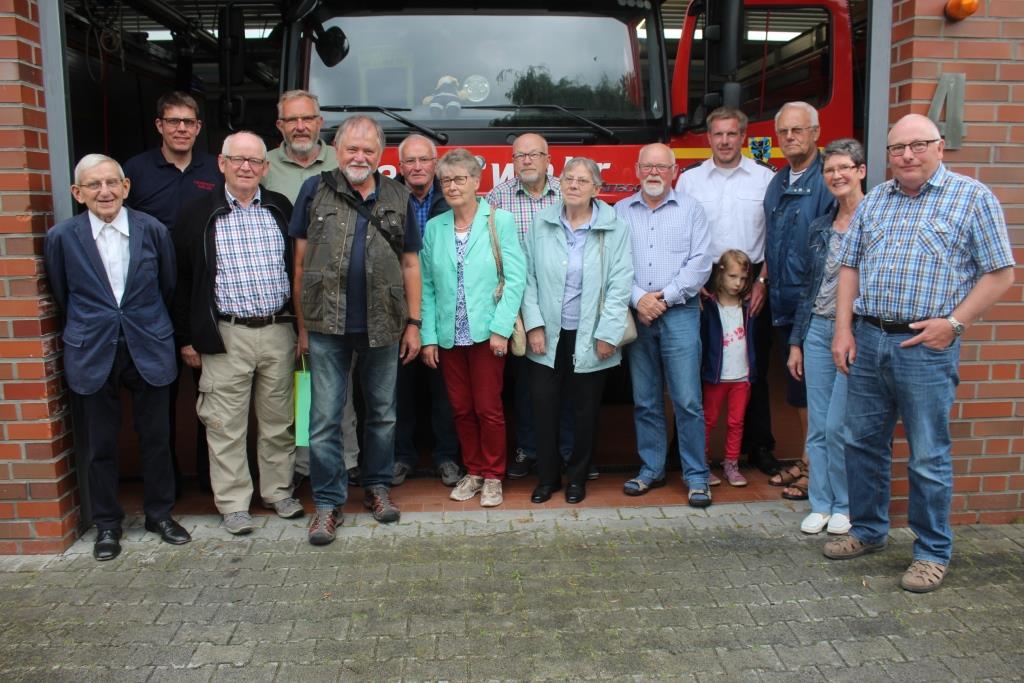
797, 131
532, 156
835, 170
458, 180
917, 146
422, 161
292, 120
582, 182
238, 162
660, 168
94, 185
174, 122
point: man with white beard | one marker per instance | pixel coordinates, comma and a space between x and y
357, 281
671, 262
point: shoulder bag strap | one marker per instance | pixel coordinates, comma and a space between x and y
496, 248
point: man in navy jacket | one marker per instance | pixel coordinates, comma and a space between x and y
112, 273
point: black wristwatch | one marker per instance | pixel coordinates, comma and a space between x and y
414, 321
763, 281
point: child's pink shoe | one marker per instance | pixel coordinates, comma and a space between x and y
732, 473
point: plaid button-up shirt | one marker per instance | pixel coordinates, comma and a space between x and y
513, 197
919, 257
251, 278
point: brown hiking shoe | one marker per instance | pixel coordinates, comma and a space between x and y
378, 501
848, 547
322, 528
923, 576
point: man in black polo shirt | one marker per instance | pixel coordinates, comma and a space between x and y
163, 180
169, 176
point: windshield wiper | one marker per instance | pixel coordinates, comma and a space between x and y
437, 135
607, 132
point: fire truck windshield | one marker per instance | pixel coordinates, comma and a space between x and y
471, 70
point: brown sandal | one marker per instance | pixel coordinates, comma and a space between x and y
788, 474
800, 485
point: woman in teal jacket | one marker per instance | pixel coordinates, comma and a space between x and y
579, 271
468, 318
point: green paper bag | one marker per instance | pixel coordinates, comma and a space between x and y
302, 389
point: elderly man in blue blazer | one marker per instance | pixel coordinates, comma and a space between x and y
111, 271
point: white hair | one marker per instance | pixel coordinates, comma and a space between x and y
91, 161
225, 149
803, 106
412, 138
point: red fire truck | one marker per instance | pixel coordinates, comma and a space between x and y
598, 78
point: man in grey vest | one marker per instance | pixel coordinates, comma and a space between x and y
357, 281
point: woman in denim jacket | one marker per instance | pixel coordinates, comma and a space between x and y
810, 345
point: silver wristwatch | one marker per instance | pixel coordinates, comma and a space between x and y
958, 327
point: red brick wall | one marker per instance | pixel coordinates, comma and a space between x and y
987, 419
38, 500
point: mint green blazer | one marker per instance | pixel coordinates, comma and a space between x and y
438, 268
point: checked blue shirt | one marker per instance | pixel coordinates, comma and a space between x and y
919, 257
251, 278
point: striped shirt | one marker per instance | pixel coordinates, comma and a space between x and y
919, 257
671, 246
514, 198
251, 279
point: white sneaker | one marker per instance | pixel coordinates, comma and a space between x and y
467, 487
839, 524
491, 497
814, 523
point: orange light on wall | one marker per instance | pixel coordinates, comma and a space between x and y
958, 10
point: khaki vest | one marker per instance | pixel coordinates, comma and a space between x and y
332, 223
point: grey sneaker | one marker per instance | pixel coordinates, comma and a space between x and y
467, 487
238, 523
399, 473
286, 508
491, 496
378, 501
449, 473
322, 528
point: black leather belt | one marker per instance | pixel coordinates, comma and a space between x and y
258, 321
889, 326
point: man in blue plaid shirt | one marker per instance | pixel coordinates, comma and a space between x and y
926, 255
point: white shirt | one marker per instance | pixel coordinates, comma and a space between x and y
112, 243
734, 343
733, 201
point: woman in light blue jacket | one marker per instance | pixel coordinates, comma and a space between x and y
468, 318
579, 271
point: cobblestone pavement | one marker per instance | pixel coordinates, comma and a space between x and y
731, 593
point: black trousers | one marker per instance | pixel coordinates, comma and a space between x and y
98, 455
201, 449
757, 423
548, 386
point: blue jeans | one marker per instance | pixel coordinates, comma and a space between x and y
669, 350
918, 385
526, 438
330, 357
446, 448
826, 410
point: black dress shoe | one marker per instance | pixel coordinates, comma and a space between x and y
107, 545
575, 493
170, 531
765, 461
542, 494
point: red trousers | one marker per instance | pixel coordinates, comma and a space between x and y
735, 396
473, 376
